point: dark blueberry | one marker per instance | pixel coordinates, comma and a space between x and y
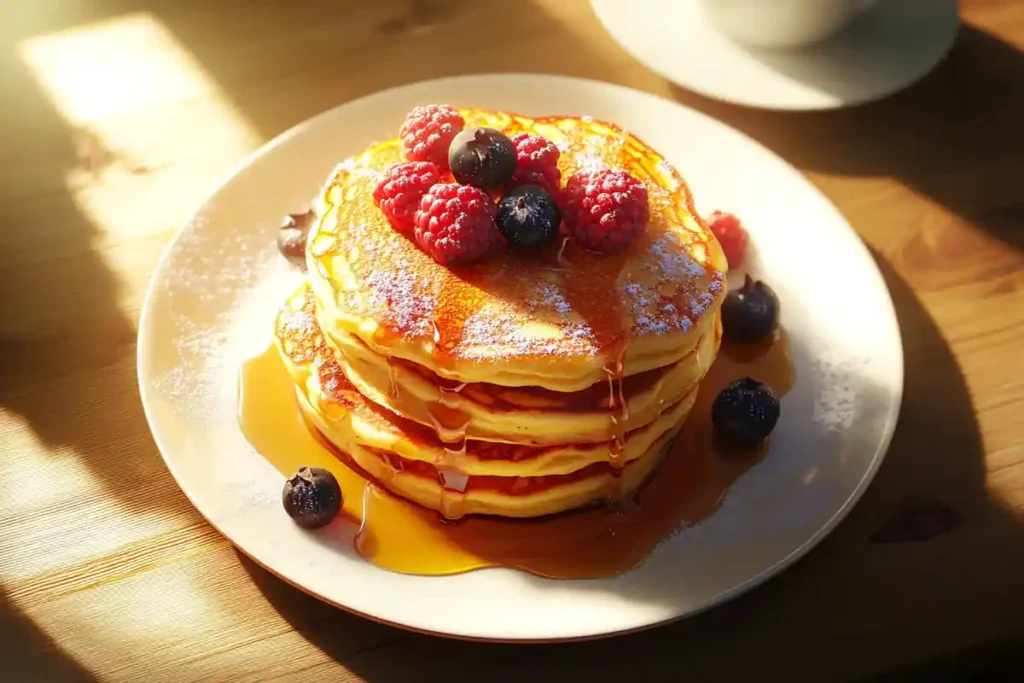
482, 157
750, 313
745, 412
312, 497
291, 238
528, 216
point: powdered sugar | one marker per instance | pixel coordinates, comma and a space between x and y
674, 259
672, 290
498, 332
297, 322
406, 301
215, 289
699, 304
588, 162
548, 295
652, 315
198, 268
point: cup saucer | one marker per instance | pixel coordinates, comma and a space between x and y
889, 47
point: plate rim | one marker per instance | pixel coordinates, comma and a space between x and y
891, 419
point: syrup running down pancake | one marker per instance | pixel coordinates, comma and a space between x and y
526, 384
527, 415
486, 478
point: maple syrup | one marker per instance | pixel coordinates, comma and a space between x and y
560, 259
446, 416
601, 541
618, 414
393, 391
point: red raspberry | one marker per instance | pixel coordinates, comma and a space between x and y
398, 194
427, 133
455, 224
536, 163
731, 235
604, 210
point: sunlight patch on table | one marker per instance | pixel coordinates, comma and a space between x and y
49, 494
211, 622
152, 129
125, 65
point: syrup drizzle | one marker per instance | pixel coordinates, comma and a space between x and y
597, 302
400, 536
618, 406
618, 415
450, 423
561, 259
364, 540
446, 415
393, 389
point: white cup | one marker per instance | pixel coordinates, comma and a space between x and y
781, 23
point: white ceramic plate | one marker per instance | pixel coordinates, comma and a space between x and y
214, 294
889, 47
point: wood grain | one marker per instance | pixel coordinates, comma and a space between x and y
107, 573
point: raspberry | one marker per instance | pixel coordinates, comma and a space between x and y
455, 224
428, 132
604, 210
398, 194
536, 163
731, 235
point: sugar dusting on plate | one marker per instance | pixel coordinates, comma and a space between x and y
217, 291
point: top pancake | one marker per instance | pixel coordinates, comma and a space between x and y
563, 318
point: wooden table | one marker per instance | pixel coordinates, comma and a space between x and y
120, 115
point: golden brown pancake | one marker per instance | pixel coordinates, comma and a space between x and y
347, 417
524, 384
526, 415
487, 478
560, 319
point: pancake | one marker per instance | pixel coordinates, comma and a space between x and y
525, 384
353, 423
409, 460
563, 319
525, 415
516, 497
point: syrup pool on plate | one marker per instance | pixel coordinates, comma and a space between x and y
401, 536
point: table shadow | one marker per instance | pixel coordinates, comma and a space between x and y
62, 304
31, 655
992, 663
63, 324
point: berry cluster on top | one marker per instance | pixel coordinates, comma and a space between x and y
443, 196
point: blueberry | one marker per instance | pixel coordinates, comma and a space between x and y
750, 313
291, 238
312, 497
528, 216
745, 412
482, 157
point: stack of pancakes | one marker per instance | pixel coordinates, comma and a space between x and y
525, 384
